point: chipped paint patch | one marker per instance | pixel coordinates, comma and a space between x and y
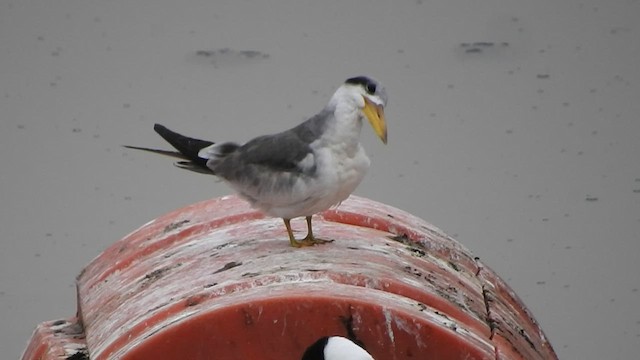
388, 320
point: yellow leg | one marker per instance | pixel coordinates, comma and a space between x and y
309, 240
292, 239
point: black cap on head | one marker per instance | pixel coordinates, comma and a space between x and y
368, 84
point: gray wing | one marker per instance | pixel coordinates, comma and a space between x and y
280, 153
271, 164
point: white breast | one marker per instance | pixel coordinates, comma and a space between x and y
340, 163
339, 173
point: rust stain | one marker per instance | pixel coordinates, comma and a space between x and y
174, 225
195, 300
227, 266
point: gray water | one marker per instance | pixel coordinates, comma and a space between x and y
513, 125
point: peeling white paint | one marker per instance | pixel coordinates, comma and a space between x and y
388, 319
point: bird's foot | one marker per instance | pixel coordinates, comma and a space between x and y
309, 241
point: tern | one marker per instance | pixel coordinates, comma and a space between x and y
335, 348
298, 172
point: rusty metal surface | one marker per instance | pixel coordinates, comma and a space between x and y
62, 339
396, 282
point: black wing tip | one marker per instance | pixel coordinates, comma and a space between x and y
170, 153
189, 147
139, 148
193, 166
163, 131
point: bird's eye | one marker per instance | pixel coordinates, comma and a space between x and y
371, 88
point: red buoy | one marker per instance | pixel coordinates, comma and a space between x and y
218, 280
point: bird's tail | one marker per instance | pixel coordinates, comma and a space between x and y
187, 147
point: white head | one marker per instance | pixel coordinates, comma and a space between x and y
335, 348
370, 97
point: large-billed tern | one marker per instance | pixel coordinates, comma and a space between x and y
298, 172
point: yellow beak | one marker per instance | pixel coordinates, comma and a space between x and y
375, 115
